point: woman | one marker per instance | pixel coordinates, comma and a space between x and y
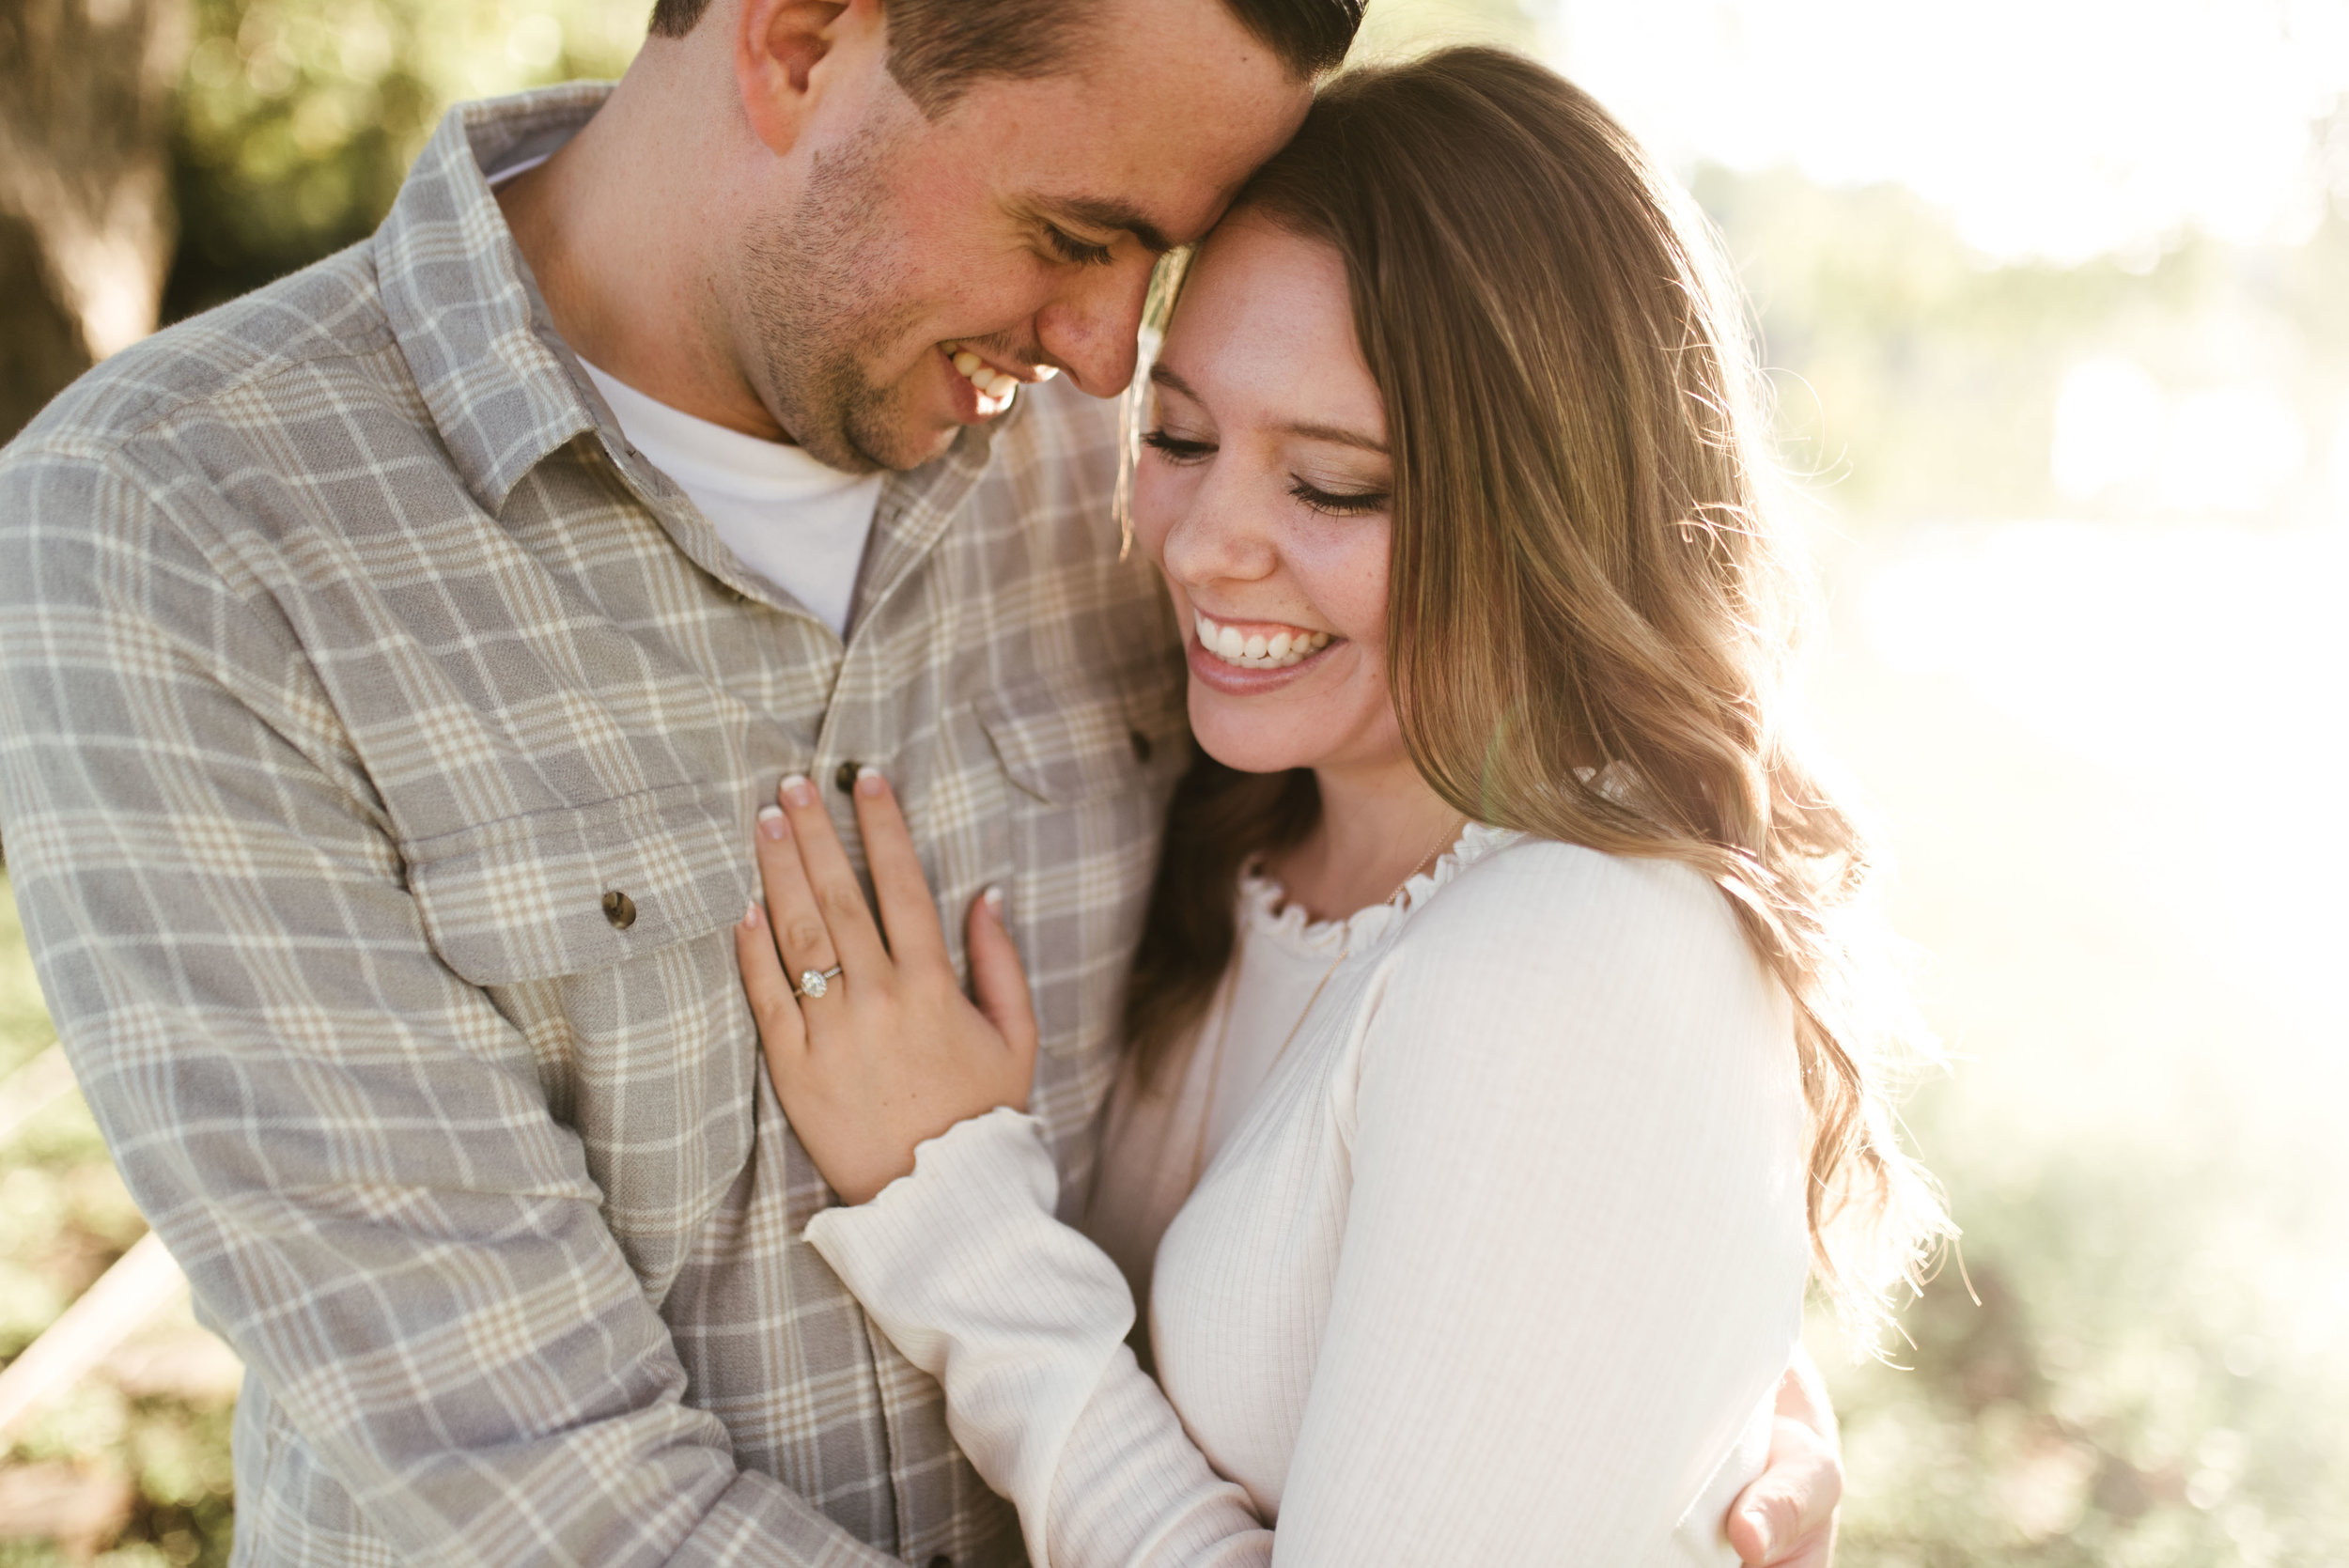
1500, 1036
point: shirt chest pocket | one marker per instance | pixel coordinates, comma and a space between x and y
1089, 767
604, 934
581, 890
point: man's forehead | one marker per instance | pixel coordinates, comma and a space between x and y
1158, 112
1146, 157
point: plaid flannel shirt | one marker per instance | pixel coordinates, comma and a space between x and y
380, 736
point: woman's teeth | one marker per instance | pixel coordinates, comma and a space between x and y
995, 388
1256, 651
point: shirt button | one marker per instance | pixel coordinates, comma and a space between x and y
1141, 743
941, 1561
620, 908
846, 777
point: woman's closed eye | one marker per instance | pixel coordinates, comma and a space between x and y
1177, 449
1340, 503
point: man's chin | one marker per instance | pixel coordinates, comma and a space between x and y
875, 430
900, 446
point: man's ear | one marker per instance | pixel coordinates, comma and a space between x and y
778, 46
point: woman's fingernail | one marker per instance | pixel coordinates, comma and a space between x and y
750, 917
796, 790
994, 897
869, 782
770, 822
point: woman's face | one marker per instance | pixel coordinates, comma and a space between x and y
1263, 494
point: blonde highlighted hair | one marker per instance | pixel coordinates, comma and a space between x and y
1592, 609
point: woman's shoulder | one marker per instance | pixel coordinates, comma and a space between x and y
1537, 941
1552, 990
1533, 893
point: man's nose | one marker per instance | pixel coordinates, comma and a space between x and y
1090, 325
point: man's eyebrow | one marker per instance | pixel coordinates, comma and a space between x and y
1160, 374
1098, 212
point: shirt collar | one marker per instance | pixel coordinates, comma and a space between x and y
463, 305
502, 387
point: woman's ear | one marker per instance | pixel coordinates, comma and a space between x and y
779, 46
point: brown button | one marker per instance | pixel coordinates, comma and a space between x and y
1141, 743
941, 1561
620, 908
846, 777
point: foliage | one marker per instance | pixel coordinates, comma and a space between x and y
299, 117
1917, 382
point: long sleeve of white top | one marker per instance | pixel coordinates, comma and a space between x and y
1570, 1270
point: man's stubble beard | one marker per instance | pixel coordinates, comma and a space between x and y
818, 292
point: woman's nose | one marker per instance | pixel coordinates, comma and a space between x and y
1219, 537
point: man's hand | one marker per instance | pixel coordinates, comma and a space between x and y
1786, 1518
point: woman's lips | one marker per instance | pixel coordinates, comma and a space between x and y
1248, 675
1262, 645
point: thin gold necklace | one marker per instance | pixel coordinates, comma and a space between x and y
1231, 1000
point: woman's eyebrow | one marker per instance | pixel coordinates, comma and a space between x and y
1161, 376
1311, 431
1337, 435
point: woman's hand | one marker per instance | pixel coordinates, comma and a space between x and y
891, 1053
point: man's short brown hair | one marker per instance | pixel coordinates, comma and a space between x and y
939, 48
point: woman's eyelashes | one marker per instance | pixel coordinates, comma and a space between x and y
1340, 503
1175, 448
1336, 503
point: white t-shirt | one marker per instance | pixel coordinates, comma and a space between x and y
796, 524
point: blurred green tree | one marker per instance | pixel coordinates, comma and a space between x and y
298, 118
85, 226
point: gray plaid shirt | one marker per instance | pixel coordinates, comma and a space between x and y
380, 736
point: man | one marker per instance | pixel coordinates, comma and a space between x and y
391, 663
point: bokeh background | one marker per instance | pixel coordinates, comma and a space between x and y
2055, 295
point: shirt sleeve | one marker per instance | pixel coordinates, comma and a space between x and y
343, 1143
1571, 1274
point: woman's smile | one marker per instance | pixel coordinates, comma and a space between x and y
1252, 647
1262, 494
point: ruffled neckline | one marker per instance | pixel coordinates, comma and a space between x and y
1264, 912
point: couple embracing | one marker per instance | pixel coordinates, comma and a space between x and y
603, 786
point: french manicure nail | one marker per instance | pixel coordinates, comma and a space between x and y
750, 917
868, 781
794, 789
994, 897
771, 823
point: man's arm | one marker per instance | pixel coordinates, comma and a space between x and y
1786, 1518
343, 1143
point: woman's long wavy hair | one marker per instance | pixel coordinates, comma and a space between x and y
1591, 610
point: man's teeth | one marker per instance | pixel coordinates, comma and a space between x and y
993, 383
1256, 651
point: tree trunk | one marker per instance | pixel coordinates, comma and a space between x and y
85, 223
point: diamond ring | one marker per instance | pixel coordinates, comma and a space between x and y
815, 982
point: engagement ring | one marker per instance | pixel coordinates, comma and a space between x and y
815, 982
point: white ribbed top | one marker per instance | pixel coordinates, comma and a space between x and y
1501, 1263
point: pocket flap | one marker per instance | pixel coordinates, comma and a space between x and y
1066, 740
556, 893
